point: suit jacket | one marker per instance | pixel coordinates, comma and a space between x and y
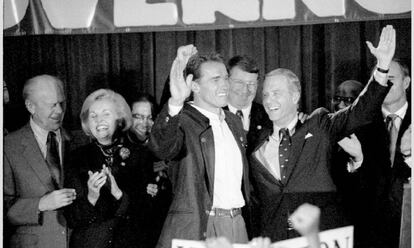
187, 141
26, 180
308, 177
258, 121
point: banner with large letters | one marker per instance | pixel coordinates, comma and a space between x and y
26, 17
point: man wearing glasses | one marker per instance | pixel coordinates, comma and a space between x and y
243, 80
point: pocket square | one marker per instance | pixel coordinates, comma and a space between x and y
308, 135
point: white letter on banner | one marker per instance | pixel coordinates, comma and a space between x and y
70, 13
14, 11
278, 9
386, 6
203, 11
140, 13
326, 7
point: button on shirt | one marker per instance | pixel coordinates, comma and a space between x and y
246, 115
41, 138
228, 167
268, 153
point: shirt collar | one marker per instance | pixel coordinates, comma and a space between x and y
246, 111
40, 133
213, 117
400, 112
291, 127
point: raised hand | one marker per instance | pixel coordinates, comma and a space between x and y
115, 190
95, 182
352, 146
180, 88
384, 52
57, 199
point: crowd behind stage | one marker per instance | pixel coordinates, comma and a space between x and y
212, 162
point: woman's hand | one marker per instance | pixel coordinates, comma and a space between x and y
152, 189
115, 190
95, 182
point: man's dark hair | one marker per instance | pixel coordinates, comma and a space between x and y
403, 66
245, 63
195, 62
145, 97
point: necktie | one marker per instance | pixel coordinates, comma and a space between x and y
239, 113
283, 152
52, 156
393, 134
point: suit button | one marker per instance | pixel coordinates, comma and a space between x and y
203, 140
205, 234
63, 232
110, 229
167, 119
110, 241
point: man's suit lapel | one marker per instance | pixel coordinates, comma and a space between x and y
298, 141
33, 155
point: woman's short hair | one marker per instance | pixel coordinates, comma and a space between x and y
124, 116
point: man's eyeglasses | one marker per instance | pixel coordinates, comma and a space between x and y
346, 100
250, 84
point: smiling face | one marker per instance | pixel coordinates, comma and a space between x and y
102, 120
243, 86
280, 100
211, 89
142, 119
396, 97
46, 103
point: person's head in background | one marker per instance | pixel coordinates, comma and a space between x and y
210, 84
143, 108
243, 80
45, 100
399, 76
345, 94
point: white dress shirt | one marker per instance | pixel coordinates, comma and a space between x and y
268, 153
228, 167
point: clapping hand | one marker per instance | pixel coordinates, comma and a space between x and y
384, 52
95, 182
115, 190
180, 88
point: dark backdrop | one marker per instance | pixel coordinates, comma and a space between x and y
321, 55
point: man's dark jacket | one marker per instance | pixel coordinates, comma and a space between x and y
186, 139
308, 175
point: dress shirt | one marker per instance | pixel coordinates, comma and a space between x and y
268, 153
228, 167
397, 122
41, 138
246, 115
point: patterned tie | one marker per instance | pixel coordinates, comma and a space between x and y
239, 113
52, 157
284, 148
393, 134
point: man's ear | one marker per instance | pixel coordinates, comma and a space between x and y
406, 82
296, 97
195, 87
29, 106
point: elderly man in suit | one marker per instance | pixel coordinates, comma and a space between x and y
33, 169
290, 164
206, 148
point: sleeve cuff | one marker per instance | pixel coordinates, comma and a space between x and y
352, 165
381, 78
408, 161
173, 109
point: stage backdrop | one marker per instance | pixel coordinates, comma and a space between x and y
322, 55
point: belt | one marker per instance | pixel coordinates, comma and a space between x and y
220, 212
